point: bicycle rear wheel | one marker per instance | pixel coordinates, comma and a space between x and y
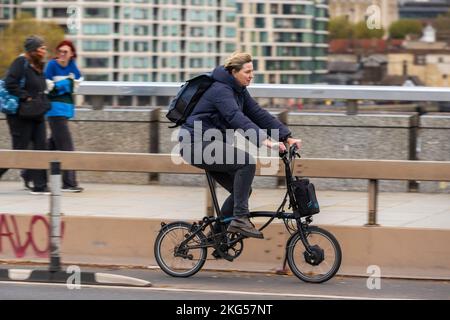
324, 261
175, 260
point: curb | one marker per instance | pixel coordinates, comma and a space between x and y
84, 278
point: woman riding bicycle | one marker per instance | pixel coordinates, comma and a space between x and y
228, 105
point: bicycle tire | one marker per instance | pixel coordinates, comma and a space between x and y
188, 268
305, 270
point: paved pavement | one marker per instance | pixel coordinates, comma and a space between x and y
169, 202
229, 285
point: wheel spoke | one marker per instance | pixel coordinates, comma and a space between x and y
179, 261
317, 239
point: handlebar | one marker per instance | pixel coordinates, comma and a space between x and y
291, 152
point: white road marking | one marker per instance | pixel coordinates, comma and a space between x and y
232, 292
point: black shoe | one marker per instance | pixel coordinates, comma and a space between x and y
27, 184
44, 191
72, 189
243, 226
216, 254
25, 175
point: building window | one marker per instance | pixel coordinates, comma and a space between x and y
197, 32
263, 37
197, 47
230, 16
140, 13
125, 62
140, 62
5, 13
140, 77
419, 59
96, 12
260, 8
57, 13
96, 62
230, 32
267, 51
126, 46
97, 29
260, 23
294, 9
241, 22
90, 45
239, 7
230, 47
196, 63
141, 46
259, 78
274, 8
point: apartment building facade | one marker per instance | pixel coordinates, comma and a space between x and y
288, 39
172, 40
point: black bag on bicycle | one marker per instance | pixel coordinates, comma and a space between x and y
305, 197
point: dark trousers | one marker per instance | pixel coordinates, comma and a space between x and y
24, 132
232, 168
61, 139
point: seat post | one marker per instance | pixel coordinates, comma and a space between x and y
212, 196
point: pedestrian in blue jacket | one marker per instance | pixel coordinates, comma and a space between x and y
228, 105
63, 77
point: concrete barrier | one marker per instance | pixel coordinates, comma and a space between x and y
362, 136
398, 252
325, 135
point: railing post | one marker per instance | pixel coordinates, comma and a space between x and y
97, 102
55, 216
154, 139
373, 198
352, 107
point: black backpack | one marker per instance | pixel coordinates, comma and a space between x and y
187, 98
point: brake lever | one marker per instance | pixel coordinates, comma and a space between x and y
282, 154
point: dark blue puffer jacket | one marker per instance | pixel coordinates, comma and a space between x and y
227, 105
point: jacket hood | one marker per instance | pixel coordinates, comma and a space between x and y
221, 74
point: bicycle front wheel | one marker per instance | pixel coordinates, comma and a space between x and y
174, 257
319, 265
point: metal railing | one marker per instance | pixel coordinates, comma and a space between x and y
351, 93
372, 170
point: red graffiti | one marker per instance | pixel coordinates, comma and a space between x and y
10, 230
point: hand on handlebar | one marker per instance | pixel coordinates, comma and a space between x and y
296, 142
275, 145
295, 145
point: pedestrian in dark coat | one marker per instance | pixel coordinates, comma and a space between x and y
29, 66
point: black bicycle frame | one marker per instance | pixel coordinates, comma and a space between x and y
269, 214
280, 214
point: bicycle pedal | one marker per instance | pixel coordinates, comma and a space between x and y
218, 255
